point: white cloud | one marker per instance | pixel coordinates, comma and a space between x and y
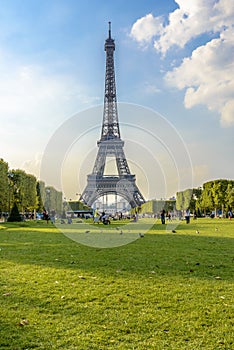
207, 74
193, 18
190, 19
145, 28
207, 77
151, 88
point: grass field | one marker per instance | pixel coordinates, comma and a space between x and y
163, 291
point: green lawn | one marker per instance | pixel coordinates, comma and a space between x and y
163, 291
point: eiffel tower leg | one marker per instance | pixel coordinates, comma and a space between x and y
127, 188
121, 162
100, 162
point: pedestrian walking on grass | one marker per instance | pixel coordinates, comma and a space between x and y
187, 216
162, 215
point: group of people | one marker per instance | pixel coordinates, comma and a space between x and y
49, 217
103, 217
163, 216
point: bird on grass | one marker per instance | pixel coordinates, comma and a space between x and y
173, 231
121, 232
87, 231
141, 235
197, 232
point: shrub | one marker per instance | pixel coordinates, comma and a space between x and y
14, 215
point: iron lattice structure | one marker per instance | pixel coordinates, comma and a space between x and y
111, 145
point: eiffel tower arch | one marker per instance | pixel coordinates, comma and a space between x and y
111, 145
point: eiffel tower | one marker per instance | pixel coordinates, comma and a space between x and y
111, 145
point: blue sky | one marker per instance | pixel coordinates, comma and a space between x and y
172, 57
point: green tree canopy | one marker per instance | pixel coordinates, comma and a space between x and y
230, 196
4, 186
24, 190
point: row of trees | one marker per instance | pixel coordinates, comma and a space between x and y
188, 199
155, 206
213, 196
24, 190
75, 205
29, 194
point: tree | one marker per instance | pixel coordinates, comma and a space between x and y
206, 202
230, 196
53, 200
219, 189
77, 205
24, 190
196, 195
155, 206
216, 195
40, 205
147, 208
179, 201
14, 215
158, 205
16, 186
4, 186
30, 192
183, 199
59, 202
187, 198
41, 194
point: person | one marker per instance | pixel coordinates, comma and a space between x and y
230, 214
187, 216
52, 216
134, 218
96, 217
46, 216
105, 219
162, 215
102, 216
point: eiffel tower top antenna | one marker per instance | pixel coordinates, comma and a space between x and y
110, 124
109, 30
